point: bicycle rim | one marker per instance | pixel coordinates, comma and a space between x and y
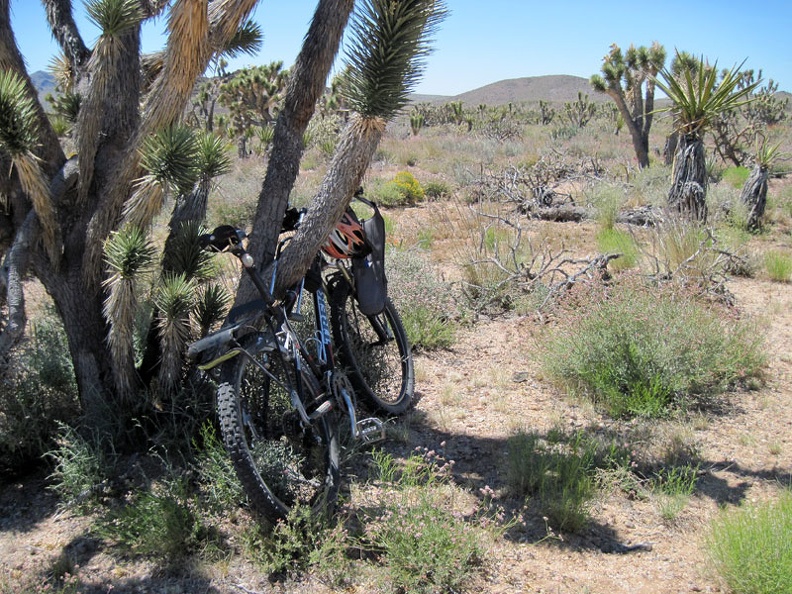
376, 352
281, 462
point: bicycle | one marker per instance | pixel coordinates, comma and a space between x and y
279, 394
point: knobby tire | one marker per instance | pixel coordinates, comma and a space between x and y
280, 462
374, 349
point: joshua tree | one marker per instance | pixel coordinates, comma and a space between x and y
385, 60
697, 98
61, 212
580, 112
754, 192
623, 78
252, 96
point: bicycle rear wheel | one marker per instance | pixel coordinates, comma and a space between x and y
375, 349
281, 461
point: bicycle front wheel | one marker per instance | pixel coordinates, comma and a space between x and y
375, 349
281, 461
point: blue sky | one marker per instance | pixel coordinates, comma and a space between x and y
484, 41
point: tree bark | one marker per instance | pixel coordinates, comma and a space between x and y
754, 195
306, 85
689, 179
350, 161
639, 139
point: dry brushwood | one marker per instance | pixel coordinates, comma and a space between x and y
543, 271
536, 187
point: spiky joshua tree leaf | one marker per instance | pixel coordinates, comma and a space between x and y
390, 42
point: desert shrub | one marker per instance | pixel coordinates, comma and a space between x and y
38, 391
81, 467
751, 549
564, 132
423, 301
233, 199
649, 185
437, 189
384, 193
426, 544
687, 252
640, 350
778, 266
161, 522
402, 190
493, 258
304, 541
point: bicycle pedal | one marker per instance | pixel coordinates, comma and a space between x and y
370, 430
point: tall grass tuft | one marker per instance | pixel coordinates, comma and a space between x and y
640, 350
81, 468
615, 241
559, 478
751, 548
778, 266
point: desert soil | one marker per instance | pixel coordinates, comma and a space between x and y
473, 397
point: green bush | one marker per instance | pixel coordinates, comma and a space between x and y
425, 544
437, 189
37, 392
751, 548
402, 190
304, 541
161, 522
642, 350
736, 176
81, 468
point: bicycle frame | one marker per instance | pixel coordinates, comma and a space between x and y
322, 363
336, 386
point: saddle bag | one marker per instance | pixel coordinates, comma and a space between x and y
371, 284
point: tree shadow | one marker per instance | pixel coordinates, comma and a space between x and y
480, 466
180, 575
25, 501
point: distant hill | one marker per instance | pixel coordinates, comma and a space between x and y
555, 88
43, 81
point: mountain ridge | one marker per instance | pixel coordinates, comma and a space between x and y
552, 87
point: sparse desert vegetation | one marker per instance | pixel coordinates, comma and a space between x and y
596, 380
595, 282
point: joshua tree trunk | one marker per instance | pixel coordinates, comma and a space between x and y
689, 186
754, 195
306, 86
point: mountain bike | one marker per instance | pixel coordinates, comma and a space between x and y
281, 393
